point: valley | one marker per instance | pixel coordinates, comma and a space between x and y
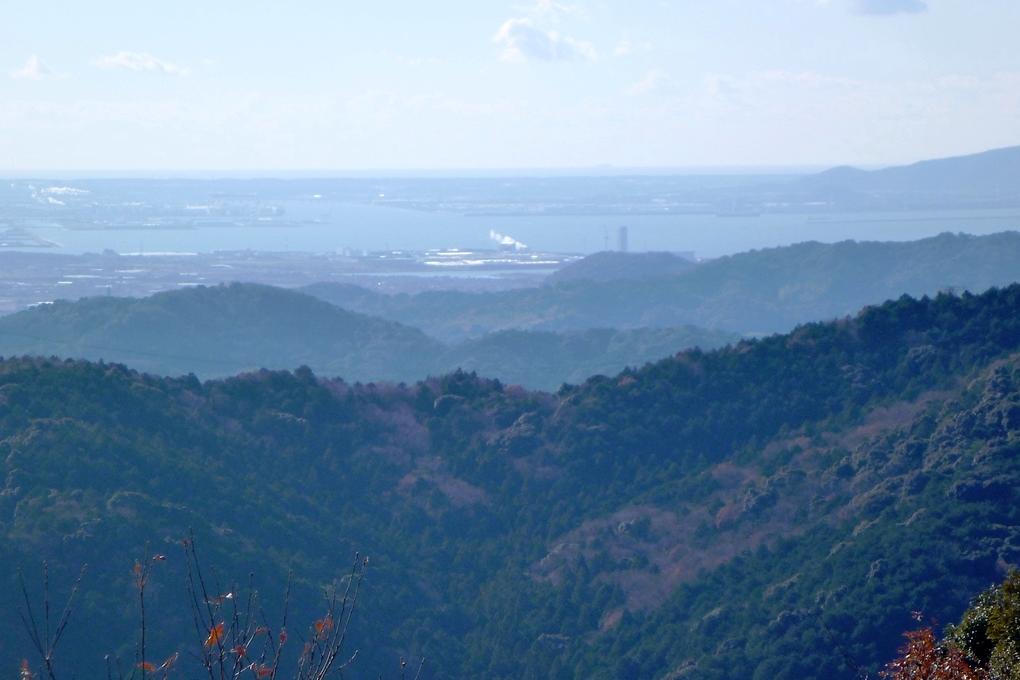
823, 482
624, 465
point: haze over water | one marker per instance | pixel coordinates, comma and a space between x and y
326, 224
378, 228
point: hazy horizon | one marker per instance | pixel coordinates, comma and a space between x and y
413, 173
599, 170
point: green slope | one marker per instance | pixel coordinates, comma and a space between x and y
546, 360
223, 330
219, 331
718, 514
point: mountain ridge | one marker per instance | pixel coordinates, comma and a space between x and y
218, 331
461, 488
755, 292
983, 174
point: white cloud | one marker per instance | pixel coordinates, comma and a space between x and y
34, 69
548, 8
648, 83
626, 47
522, 40
889, 6
141, 62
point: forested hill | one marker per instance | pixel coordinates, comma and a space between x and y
220, 331
768, 510
616, 266
223, 330
986, 175
546, 360
761, 291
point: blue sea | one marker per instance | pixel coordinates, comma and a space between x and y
709, 216
372, 228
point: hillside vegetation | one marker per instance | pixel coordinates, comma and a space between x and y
546, 360
223, 330
768, 510
762, 291
219, 331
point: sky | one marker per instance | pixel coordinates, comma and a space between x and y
150, 85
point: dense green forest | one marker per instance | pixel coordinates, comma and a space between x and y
546, 360
773, 509
219, 331
760, 291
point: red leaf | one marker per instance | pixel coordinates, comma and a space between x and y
215, 635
